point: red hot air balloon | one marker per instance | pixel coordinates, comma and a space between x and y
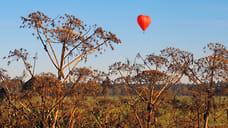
143, 21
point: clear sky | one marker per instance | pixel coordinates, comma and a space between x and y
185, 24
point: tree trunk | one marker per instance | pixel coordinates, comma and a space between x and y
198, 116
60, 72
149, 109
151, 116
206, 118
227, 115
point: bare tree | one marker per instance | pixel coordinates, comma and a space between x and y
75, 38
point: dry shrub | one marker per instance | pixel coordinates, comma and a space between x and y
43, 85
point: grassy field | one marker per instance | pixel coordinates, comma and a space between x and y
110, 111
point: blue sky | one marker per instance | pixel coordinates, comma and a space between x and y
188, 25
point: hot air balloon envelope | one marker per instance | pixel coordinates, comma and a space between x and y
143, 21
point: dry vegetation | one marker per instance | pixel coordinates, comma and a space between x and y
144, 93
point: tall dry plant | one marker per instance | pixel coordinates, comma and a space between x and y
42, 101
22, 54
2, 74
71, 36
209, 74
148, 86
